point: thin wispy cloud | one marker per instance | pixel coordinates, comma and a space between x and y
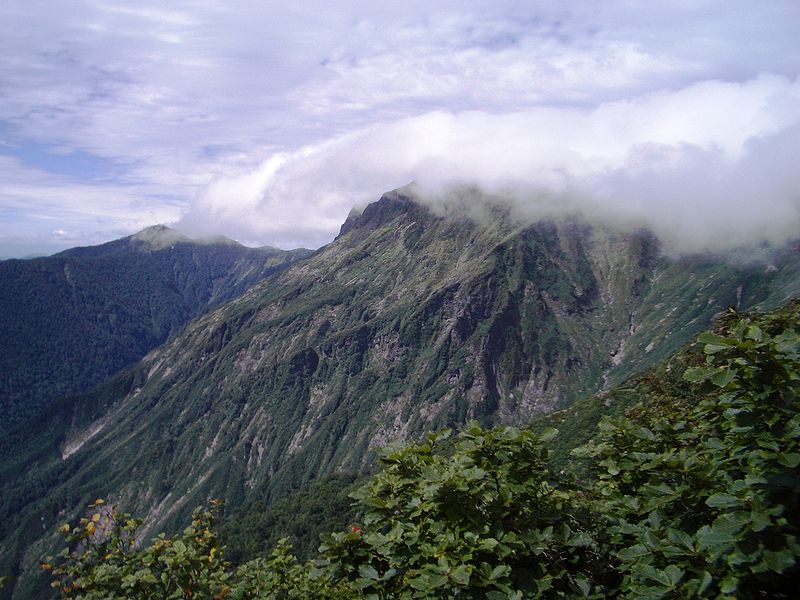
267, 123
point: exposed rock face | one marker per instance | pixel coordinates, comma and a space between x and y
407, 322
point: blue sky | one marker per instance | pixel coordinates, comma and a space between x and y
267, 123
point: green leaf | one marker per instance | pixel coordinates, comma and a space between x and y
709, 537
643, 433
697, 374
714, 343
655, 575
488, 544
722, 501
499, 571
361, 583
760, 520
681, 538
368, 572
779, 561
705, 581
712, 338
421, 583
606, 425
632, 553
660, 488
548, 434
584, 585
729, 585
791, 460
754, 333
674, 574
461, 574
650, 540
723, 377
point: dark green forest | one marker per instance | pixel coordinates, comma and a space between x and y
70, 321
689, 489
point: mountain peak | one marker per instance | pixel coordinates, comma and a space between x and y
218, 240
390, 206
159, 237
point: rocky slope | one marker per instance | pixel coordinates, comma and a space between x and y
409, 321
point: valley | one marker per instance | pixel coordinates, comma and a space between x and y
70, 321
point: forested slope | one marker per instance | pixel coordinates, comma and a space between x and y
692, 494
70, 321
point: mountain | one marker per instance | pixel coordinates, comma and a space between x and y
408, 321
69, 321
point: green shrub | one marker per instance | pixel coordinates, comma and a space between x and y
486, 518
705, 504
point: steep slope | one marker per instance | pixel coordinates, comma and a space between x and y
407, 322
69, 321
701, 471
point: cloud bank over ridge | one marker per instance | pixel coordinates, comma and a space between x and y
707, 167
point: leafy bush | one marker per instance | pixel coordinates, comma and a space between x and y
282, 577
705, 504
487, 519
104, 562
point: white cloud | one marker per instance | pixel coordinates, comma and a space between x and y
704, 166
534, 71
41, 207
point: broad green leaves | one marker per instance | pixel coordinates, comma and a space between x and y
716, 504
484, 516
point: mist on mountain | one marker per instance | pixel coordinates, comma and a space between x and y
708, 167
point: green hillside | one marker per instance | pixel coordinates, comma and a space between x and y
70, 321
693, 493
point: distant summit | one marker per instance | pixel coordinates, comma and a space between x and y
222, 240
150, 239
159, 237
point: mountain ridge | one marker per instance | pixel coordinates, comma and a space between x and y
409, 321
71, 320
162, 237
